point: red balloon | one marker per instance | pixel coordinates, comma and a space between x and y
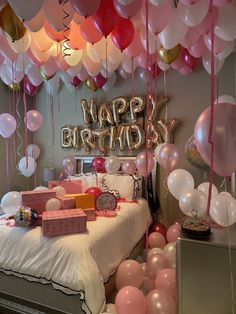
76, 81
99, 80
94, 191
189, 60
98, 164
123, 34
29, 88
105, 17
158, 227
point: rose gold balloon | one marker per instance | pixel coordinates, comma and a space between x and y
155, 263
169, 156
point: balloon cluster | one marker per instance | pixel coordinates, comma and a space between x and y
148, 284
193, 202
104, 36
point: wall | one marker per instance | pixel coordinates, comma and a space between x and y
189, 96
17, 181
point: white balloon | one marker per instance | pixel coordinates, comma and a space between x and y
24, 10
225, 99
170, 253
41, 188
66, 77
154, 42
10, 202
155, 250
27, 169
193, 15
34, 75
225, 27
204, 187
21, 45
110, 82
156, 2
180, 181
193, 202
125, 2
60, 191
53, 85
227, 51
53, 204
33, 151
226, 193
206, 61
110, 309
112, 164
223, 210
174, 32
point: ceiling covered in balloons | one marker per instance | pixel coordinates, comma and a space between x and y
55, 41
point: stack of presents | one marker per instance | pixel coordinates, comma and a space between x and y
76, 208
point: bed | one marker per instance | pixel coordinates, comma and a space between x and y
68, 274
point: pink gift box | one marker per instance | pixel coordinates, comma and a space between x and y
67, 202
91, 214
70, 186
63, 221
37, 199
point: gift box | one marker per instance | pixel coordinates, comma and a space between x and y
67, 202
63, 221
84, 201
90, 213
71, 187
37, 199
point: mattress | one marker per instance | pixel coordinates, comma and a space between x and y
79, 263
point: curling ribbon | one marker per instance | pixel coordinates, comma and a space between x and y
66, 48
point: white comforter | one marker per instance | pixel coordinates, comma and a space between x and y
78, 263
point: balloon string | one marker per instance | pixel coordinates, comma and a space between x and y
147, 90
33, 155
165, 89
210, 139
53, 128
230, 267
58, 102
26, 132
76, 110
66, 48
19, 137
7, 164
132, 76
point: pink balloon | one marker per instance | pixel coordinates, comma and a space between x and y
221, 3
189, 60
129, 167
144, 59
173, 232
89, 31
191, 37
69, 165
129, 273
159, 302
155, 263
29, 88
154, 70
205, 26
148, 285
223, 137
145, 163
130, 300
34, 120
169, 156
158, 16
178, 63
156, 239
85, 8
144, 75
99, 80
198, 49
185, 70
135, 48
189, 2
7, 125
166, 281
128, 10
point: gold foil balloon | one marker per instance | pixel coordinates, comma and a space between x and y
117, 133
11, 24
90, 84
154, 136
137, 104
101, 135
193, 155
167, 128
135, 136
89, 111
119, 106
105, 115
169, 55
76, 137
66, 137
14, 87
87, 139
157, 104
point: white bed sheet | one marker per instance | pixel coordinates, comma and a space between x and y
78, 263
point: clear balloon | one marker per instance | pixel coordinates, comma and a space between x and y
173, 232
145, 163
130, 300
129, 273
112, 164
159, 302
224, 143
156, 240
192, 154
34, 120
193, 203
180, 181
53, 204
69, 165
7, 125
10, 202
33, 151
27, 166
223, 210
